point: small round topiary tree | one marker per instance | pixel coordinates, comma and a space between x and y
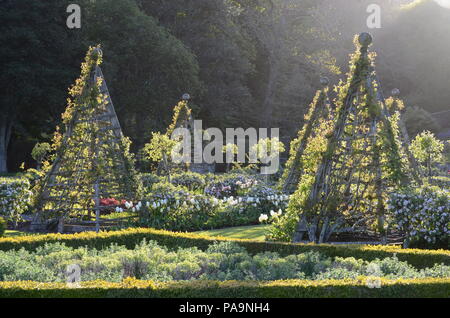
428, 150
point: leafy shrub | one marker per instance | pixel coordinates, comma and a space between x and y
165, 189
267, 199
247, 210
230, 184
40, 151
131, 237
15, 197
221, 261
148, 180
190, 180
178, 210
428, 150
3, 226
284, 227
423, 215
442, 182
182, 206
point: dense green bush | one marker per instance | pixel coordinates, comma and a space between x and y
220, 261
3, 226
443, 182
230, 184
423, 215
132, 288
15, 196
179, 210
148, 180
131, 237
190, 180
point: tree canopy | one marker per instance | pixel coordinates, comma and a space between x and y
245, 63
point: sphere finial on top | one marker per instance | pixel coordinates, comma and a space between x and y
365, 39
186, 97
395, 92
324, 81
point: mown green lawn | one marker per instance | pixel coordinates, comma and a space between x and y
256, 233
12, 233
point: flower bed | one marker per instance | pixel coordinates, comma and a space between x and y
180, 206
230, 185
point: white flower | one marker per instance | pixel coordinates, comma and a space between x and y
128, 205
263, 217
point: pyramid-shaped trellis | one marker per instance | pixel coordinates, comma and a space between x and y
396, 105
318, 116
361, 163
183, 118
92, 160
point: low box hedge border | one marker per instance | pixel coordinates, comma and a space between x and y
132, 288
130, 237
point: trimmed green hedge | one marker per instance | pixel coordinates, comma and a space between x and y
436, 288
130, 237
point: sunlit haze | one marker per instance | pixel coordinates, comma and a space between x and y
444, 3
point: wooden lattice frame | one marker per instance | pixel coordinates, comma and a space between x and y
92, 159
183, 118
395, 104
350, 176
319, 112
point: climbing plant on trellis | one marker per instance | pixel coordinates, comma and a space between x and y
182, 115
359, 162
183, 118
317, 121
91, 159
396, 106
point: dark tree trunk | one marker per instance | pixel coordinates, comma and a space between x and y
5, 137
